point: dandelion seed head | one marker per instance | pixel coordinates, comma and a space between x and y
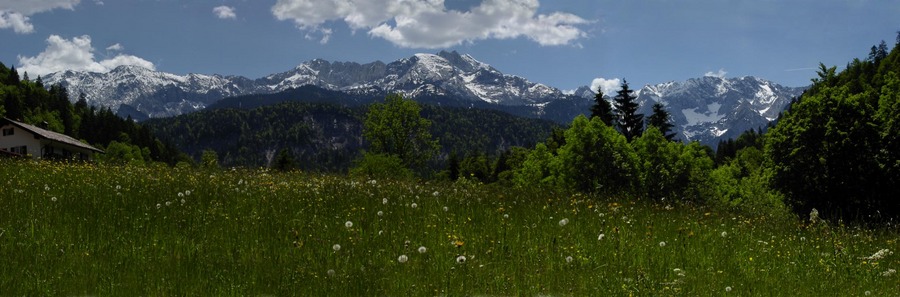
446, 209
53, 199
724, 234
422, 250
336, 247
868, 293
158, 205
569, 259
380, 213
168, 203
180, 194
563, 222
461, 259
435, 194
662, 244
384, 201
187, 193
728, 289
46, 187
601, 236
505, 216
348, 224
402, 259
330, 272
414, 205
182, 201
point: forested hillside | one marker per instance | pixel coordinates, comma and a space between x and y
319, 136
123, 140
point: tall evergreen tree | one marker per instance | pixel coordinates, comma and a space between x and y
661, 120
602, 108
630, 123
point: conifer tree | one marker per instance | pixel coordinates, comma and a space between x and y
630, 123
602, 108
661, 120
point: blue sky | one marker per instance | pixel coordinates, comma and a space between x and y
564, 44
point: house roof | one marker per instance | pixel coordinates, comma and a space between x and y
53, 136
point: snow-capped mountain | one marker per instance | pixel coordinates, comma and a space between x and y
159, 94
709, 109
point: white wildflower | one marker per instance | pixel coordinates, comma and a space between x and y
889, 272
879, 255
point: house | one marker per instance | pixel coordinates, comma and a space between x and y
22, 139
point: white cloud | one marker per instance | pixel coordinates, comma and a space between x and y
609, 86
115, 47
720, 74
14, 13
429, 24
18, 22
225, 12
76, 54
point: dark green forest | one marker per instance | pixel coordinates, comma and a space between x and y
328, 137
32, 102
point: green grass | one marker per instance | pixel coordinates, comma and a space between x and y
96, 230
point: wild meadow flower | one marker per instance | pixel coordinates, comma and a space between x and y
461, 259
402, 259
348, 224
880, 254
888, 272
336, 247
563, 222
422, 250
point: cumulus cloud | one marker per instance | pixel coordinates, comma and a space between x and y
608, 86
18, 22
76, 54
225, 12
14, 13
429, 24
720, 74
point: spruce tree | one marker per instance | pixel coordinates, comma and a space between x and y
661, 120
630, 123
602, 109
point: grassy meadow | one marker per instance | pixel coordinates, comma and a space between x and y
83, 229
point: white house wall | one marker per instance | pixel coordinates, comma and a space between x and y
19, 138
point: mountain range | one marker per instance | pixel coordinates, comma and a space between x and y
706, 109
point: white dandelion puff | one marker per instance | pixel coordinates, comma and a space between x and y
880, 254
168, 203
158, 205
330, 272
180, 194
868, 293
505, 216
187, 193
414, 205
563, 222
402, 259
384, 201
461, 259
380, 213
601, 236
53, 199
724, 234
569, 259
662, 244
336, 247
348, 224
446, 209
728, 289
422, 250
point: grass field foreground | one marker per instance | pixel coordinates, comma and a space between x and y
82, 229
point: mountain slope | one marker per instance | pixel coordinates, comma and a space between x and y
709, 109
